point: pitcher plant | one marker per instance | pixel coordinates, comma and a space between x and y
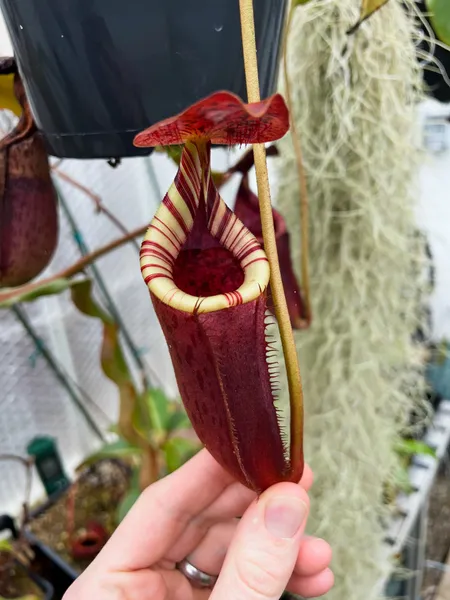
208, 277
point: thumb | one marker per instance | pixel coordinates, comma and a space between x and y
262, 556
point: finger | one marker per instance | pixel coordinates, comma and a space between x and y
263, 553
210, 554
136, 585
314, 556
233, 502
178, 587
162, 512
147, 584
307, 478
312, 587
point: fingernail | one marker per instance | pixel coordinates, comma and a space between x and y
284, 515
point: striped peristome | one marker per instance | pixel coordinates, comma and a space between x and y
194, 190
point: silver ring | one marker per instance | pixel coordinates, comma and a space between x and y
199, 579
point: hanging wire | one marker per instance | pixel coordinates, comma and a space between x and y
72, 389
107, 298
152, 177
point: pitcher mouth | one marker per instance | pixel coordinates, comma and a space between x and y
197, 256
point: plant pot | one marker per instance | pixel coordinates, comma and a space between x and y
18, 569
39, 584
64, 573
94, 496
50, 566
97, 73
59, 570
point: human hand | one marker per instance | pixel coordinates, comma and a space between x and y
193, 513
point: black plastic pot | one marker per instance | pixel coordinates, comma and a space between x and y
45, 587
64, 573
59, 572
48, 570
7, 523
55, 568
99, 71
43, 584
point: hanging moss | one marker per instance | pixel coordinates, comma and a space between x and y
355, 108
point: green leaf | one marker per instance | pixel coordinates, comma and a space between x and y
130, 497
174, 152
177, 451
112, 358
440, 18
411, 447
115, 450
157, 405
27, 597
5, 546
156, 416
8, 99
178, 420
84, 301
368, 8
401, 480
141, 418
299, 2
126, 504
11, 296
141, 422
152, 415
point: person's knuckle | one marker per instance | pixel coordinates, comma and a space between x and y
259, 572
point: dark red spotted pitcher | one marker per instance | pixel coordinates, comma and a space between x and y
208, 278
28, 201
